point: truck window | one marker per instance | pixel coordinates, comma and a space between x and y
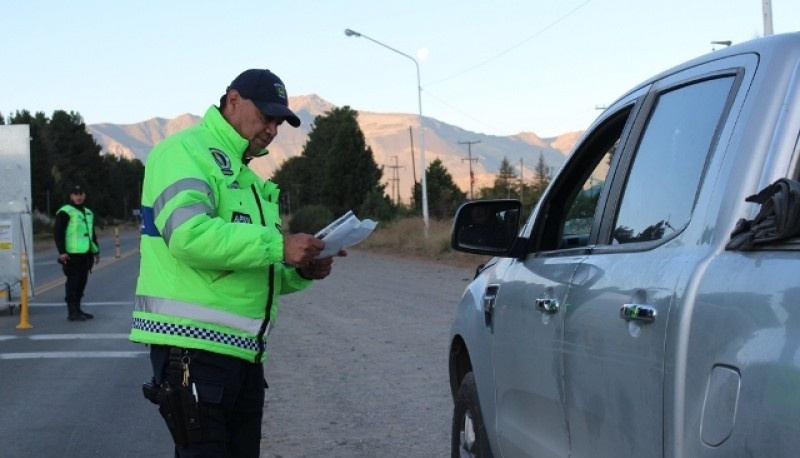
670, 161
581, 215
571, 211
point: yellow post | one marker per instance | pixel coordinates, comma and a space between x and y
116, 239
23, 294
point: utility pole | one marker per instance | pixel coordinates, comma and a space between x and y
521, 181
766, 6
413, 165
471, 160
395, 181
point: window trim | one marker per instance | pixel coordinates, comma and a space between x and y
553, 204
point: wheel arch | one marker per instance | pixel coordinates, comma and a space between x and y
459, 363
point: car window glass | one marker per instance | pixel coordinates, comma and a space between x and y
670, 160
572, 205
580, 217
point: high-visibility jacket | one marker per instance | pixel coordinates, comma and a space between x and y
79, 233
211, 249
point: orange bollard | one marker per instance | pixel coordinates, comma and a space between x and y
23, 294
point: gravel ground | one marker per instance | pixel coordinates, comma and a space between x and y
358, 362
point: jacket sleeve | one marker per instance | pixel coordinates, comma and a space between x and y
291, 281
95, 247
60, 231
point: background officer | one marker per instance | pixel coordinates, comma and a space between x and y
77, 250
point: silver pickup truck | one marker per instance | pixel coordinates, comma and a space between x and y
650, 304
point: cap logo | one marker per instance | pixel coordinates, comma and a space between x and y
281, 90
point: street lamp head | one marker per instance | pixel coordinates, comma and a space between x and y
351, 33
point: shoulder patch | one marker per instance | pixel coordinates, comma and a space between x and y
222, 160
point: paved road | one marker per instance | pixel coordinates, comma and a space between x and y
357, 365
72, 389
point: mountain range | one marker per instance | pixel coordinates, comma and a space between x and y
393, 137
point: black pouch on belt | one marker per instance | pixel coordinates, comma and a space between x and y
177, 405
181, 413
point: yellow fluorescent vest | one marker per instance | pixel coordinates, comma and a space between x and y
79, 236
211, 250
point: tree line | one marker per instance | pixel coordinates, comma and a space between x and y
64, 154
336, 172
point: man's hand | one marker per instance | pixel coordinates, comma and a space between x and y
319, 268
63, 258
300, 249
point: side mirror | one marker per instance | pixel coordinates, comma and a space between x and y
487, 227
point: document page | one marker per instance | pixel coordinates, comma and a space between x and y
345, 231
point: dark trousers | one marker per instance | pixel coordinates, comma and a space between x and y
231, 388
77, 272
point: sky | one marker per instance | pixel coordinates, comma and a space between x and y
491, 67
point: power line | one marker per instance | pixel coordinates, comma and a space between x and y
497, 56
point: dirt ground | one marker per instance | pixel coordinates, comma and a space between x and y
357, 363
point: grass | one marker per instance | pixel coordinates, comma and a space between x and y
406, 237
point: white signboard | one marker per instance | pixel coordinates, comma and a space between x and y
16, 227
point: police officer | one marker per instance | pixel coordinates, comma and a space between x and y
78, 250
213, 263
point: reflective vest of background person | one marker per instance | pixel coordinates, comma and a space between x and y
78, 250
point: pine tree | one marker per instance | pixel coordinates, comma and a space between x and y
63, 154
336, 167
444, 196
506, 184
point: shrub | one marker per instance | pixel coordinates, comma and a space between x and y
310, 219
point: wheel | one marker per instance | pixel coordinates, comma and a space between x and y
468, 438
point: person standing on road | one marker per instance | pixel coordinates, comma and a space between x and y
213, 263
78, 250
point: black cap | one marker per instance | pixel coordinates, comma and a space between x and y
267, 92
76, 190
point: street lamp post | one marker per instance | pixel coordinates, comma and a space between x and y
353, 33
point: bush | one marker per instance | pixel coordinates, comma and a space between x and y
377, 206
310, 219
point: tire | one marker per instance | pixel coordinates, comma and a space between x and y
468, 437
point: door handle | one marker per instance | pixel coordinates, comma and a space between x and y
489, 301
549, 306
637, 312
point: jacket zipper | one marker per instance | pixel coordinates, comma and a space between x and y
270, 285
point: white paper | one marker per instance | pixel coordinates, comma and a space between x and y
344, 232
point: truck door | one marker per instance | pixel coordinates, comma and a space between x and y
618, 305
531, 295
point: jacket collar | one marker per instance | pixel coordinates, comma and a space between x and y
233, 144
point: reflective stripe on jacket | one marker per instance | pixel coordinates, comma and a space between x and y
211, 249
79, 233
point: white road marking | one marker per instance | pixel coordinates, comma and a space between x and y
74, 354
93, 304
65, 336
70, 354
77, 336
